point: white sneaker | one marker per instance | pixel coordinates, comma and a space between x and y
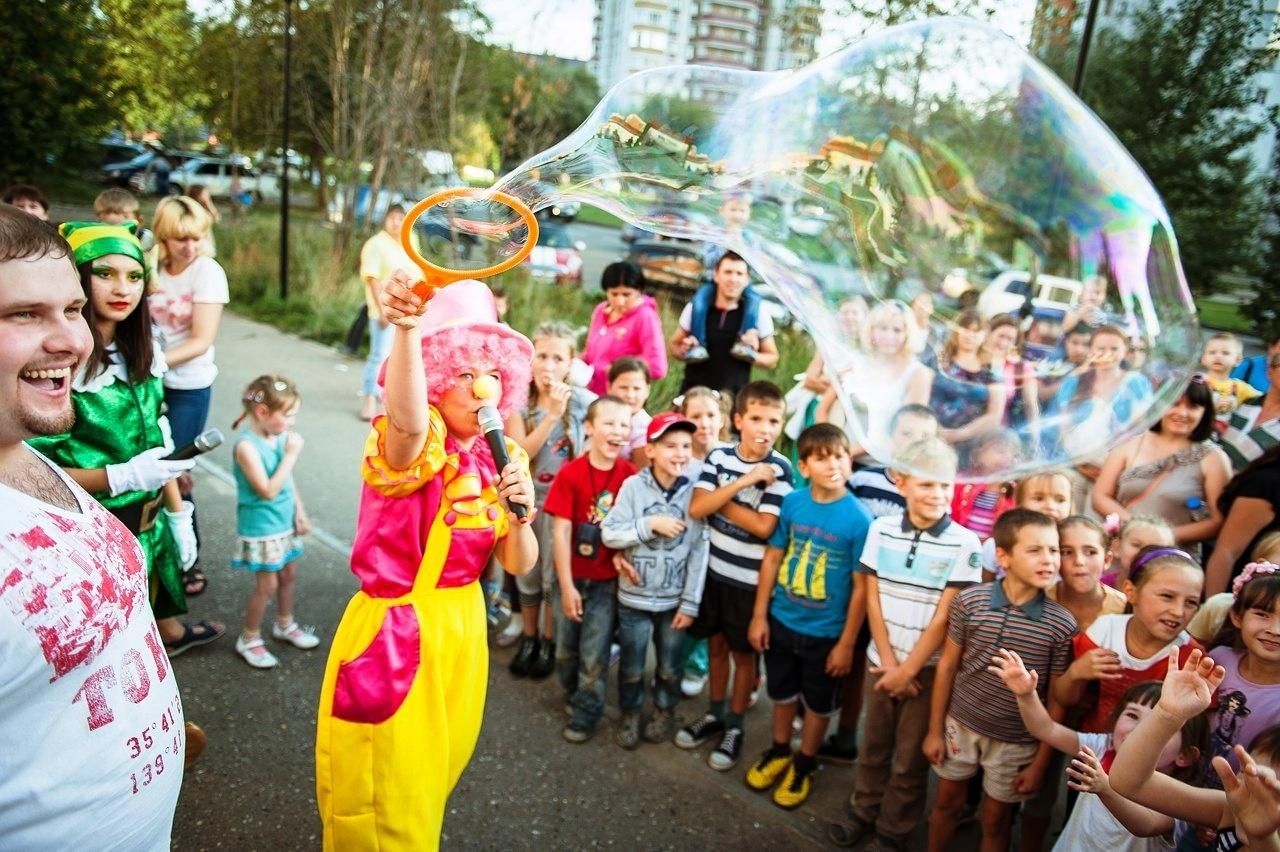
510, 634
295, 635
255, 653
692, 685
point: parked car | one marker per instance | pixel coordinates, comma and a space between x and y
666, 215
556, 257
121, 161
1011, 293
216, 173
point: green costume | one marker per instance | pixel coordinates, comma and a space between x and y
116, 420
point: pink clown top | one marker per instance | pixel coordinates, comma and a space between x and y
399, 507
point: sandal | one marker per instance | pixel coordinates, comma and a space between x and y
194, 635
194, 582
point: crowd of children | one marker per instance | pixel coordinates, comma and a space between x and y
999, 636
995, 635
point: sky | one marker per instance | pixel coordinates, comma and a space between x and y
563, 27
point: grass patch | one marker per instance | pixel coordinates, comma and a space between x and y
1223, 316
595, 216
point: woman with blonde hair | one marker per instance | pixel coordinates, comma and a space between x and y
189, 290
885, 375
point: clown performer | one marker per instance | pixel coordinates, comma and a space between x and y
116, 448
404, 688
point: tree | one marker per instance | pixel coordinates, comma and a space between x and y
51, 88
1175, 87
1265, 307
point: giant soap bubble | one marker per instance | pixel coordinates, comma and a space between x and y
927, 202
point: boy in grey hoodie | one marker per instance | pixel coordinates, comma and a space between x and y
660, 584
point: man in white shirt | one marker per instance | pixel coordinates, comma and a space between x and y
90, 719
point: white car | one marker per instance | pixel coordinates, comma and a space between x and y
216, 174
1009, 291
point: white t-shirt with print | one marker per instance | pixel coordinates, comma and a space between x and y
172, 303
91, 728
1092, 828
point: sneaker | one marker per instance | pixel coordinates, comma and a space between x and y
576, 733
615, 654
794, 788
764, 773
660, 728
628, 734
725, 756
545, 663
697, 733
692, 685
255, 653
512, 633
525, 655
832, 752
498, 614
295, 635
850, 833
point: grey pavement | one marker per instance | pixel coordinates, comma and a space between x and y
525, 788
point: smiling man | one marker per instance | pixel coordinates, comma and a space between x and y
89, 712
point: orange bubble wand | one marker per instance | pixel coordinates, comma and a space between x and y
434, 276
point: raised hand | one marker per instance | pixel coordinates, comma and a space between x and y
1253, 794
1188, 690
1008, 666
400, 305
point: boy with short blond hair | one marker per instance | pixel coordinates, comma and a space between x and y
739, 494
809, 607
974, 722
115, 205
915, 564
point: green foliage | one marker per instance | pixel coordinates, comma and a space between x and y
146, 60
1175, 89
50, 87
1264, 310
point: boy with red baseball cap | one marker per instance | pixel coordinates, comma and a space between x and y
660, 582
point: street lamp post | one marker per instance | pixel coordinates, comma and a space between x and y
1082, 57
284, 154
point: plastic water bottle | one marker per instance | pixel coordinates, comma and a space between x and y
1197, 509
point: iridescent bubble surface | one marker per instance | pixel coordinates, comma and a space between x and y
897, 197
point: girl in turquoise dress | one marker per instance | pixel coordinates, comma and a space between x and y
115, 449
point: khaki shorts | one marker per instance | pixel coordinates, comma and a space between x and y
966, 750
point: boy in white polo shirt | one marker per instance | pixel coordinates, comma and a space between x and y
917, 563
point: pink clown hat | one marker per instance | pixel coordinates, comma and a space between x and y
465, 304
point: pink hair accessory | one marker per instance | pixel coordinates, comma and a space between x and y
1253, 569
1112, 524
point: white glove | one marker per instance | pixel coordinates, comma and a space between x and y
184, 533
146, 471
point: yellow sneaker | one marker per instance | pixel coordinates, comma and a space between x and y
765, 772
793, 790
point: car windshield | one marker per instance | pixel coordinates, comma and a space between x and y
557, 238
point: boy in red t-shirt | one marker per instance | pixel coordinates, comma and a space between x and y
581, 495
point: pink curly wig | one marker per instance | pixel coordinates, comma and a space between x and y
450, 351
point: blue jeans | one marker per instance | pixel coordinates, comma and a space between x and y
188, 411
635, 628
582, 650
380, 337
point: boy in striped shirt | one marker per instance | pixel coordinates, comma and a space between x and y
739, 494
971, 723
915, 564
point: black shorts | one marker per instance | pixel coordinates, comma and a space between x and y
725, 609
796, 666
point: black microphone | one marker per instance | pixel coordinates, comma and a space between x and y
203, 443
491, 426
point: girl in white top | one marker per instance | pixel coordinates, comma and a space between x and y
1106, 821
186, 303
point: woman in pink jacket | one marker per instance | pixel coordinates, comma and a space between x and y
625, 325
